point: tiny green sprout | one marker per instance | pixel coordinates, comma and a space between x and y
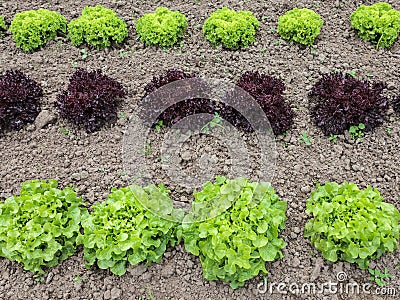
122, 54
388, 131
369, 75
310, 78
74, 64
181, 44
84, 54
159, 125
215, 122
122, 115
147, 150
197, 1
352, 73
123, 173
333, 137
163, 158
379, 277
315, 4
78, 278
150, 294
305, 139
278, 42
102, 170
263, 50
287, 144
356, 132
272, 29
38, 278
64, 130
263, 18
313, 51
299, 109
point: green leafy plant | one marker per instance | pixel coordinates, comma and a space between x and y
3, 26
84, 54
333, 137
159, 125
379, 277
130, 226
300, 25
34, 28
356, 132
377, 23
233, 226
97, 26
350, 224
231, 29
215, 122
39, 227
163, 28
305, 139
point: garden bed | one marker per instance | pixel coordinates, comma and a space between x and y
92, 162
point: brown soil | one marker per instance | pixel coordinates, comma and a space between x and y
93, 163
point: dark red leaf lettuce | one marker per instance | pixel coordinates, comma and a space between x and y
268, 92
19, 100
341, 101
90, 100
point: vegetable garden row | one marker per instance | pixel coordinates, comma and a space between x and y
91, 99
233, 226
101, 27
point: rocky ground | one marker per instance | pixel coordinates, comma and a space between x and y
51, 148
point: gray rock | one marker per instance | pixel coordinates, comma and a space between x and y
295, 262
115, 293
138, 270
44, 118
107, 295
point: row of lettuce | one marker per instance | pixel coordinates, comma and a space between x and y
338, 101
233, 226
101, 27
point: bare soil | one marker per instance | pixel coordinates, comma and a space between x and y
93, 162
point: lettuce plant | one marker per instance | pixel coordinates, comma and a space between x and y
97, 26
396, 104
240, 231
90, 100
34, 28
162, 28
39, 227
350, 224
377, 23
176, 111
122, 230
19, 100
342, 101
3, 26
300, 25
267, 91
231, 29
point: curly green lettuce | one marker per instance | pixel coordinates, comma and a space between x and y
300, 25
163, 28
126, 229
34, 28
39, 227
98, 27
234, 227
378, 23
231, 29
350, 224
